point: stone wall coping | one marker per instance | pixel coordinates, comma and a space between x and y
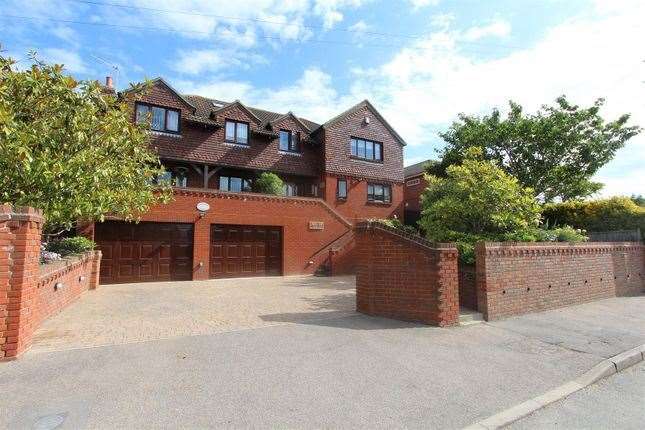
56, 269
418, 240
20, 213
552, 248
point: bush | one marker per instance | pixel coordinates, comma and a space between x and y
616, 213
268, 183
71, 245
397, 224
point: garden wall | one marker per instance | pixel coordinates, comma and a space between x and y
405, 277
31, 292
517, 278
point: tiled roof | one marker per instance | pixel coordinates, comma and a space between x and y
416, 169
204, 106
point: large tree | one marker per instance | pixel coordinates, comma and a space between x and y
71, 148
554, 151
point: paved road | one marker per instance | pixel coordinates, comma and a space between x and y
617, 402
317, 369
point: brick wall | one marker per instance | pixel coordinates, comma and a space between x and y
519, 278
412, 193
405, 277
27, 294
293, 214
356, 207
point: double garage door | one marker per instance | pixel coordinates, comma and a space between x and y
151, 251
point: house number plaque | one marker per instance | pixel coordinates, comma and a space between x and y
316, 225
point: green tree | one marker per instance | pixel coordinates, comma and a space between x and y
476, 200
268, 183
555, 151
71, 149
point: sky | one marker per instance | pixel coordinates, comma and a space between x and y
420, 62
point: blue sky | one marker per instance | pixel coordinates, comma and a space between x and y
421, 62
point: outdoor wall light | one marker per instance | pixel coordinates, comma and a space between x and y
202, 208
58, 286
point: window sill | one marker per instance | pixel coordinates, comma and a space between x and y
341, 199
295, 154
365, 160
379, 203
237, 145
163, 133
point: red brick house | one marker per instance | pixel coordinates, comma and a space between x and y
349, 168
414, 186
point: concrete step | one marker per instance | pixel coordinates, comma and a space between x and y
469, 317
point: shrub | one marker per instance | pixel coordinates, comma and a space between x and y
268, 183
71, 245
616, 213
396, 223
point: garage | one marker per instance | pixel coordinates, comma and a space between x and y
144, 252
245, 250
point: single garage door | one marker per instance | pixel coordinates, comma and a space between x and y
245, 250
148, 251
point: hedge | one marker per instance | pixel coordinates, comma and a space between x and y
616, 213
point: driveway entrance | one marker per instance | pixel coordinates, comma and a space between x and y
125, 313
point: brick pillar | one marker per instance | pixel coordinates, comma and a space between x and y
20, 234
201, 249
95, 270
448, 286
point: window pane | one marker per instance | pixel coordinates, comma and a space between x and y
361, 148
158, 118
230, 131
246, 185
369, 150
295, 142
378, 192
165, 178
377, 152
314, 190
354, 147
236, 185
242, 132
342, 188
386, 191
142, 113
284, 140
370, 192
223, 183
172, 119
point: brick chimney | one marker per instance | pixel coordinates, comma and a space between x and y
108, 83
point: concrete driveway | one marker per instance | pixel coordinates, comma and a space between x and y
126, 313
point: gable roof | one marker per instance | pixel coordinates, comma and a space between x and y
206, 105
174, 91
292, 116
365, 103
241, 106
416, 169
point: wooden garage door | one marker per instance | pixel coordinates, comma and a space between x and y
148, 251
245, 250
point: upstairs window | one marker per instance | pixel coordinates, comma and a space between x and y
161, 119
379, 193
341, 189
176, 177
289, 142
366, 149
237, 132
234, 184
290, 189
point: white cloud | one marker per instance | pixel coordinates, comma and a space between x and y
71, 60
194, 62
359, 26
417, 4
330, 10
497, 28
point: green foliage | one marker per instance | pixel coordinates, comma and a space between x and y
397, 224
638, 199
71, 245
268, 183
555, 151
476, 201
71, 149
560, 234
616, 213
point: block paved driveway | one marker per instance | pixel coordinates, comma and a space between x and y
126, 313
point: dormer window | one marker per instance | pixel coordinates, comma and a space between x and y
366, 149
237, 132
289, 142
161, 119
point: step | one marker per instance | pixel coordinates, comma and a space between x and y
470, 317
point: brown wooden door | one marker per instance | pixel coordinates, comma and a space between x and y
144, 252
245, 250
